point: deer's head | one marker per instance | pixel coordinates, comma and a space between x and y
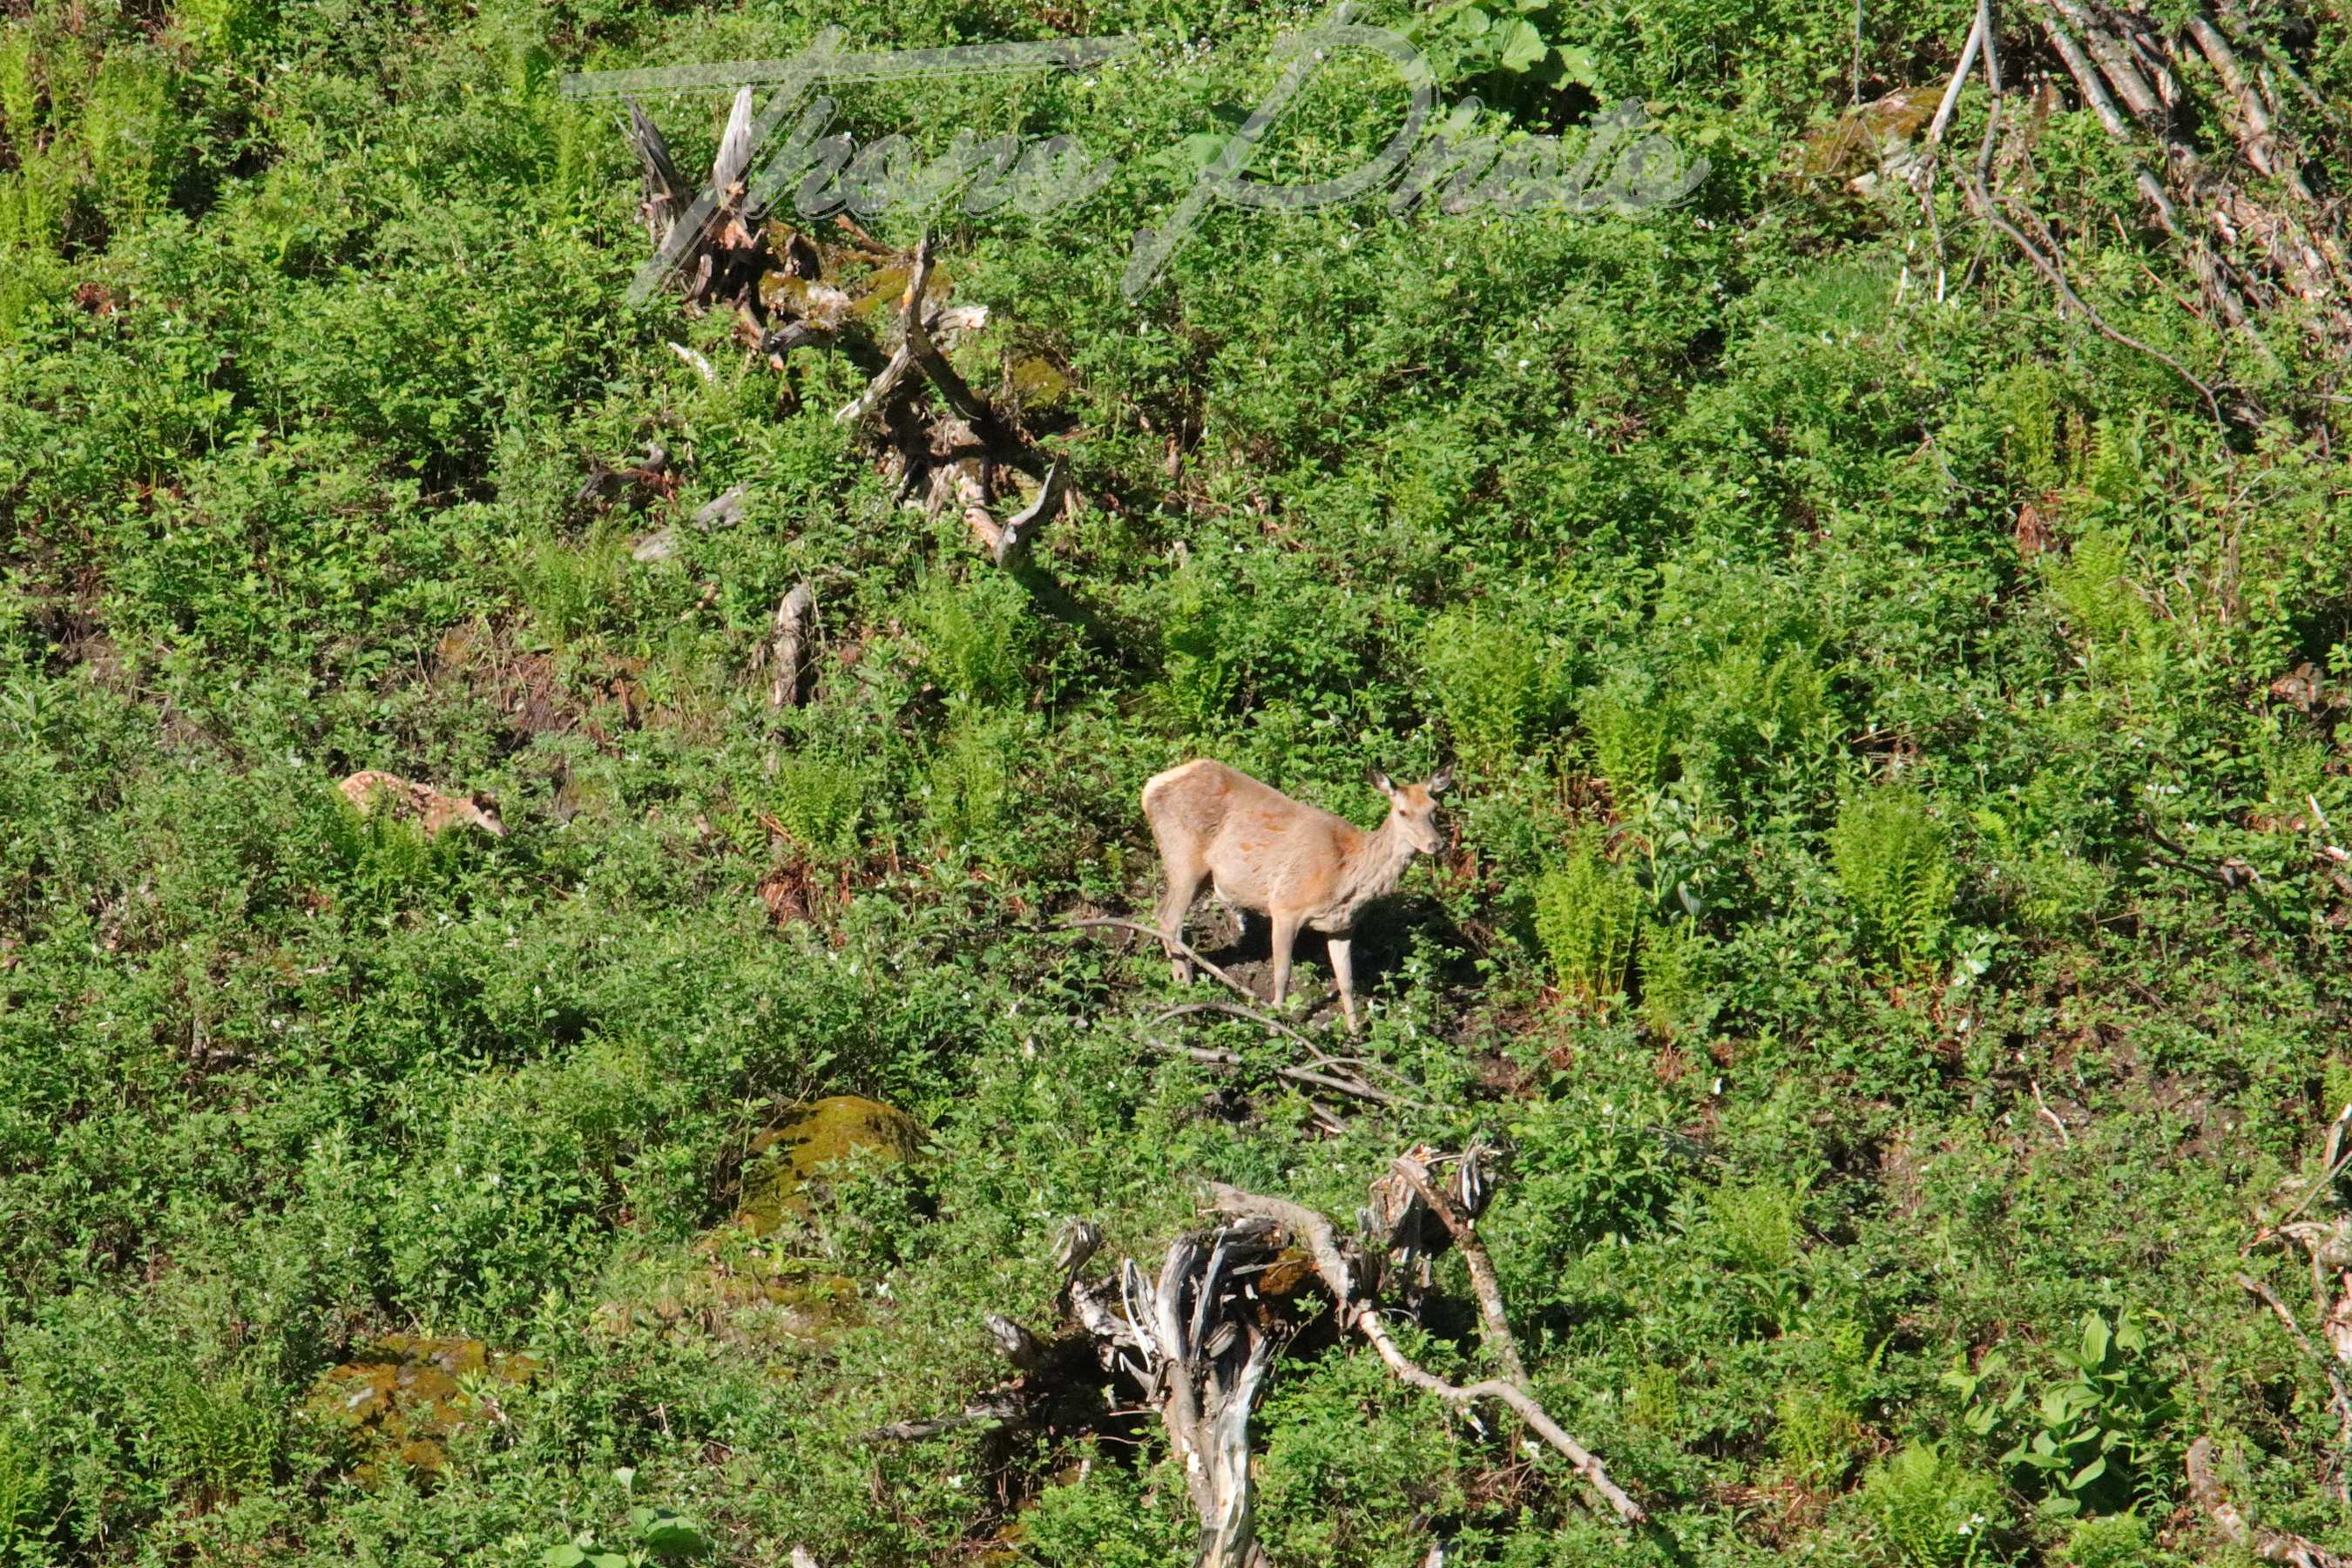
482, 811
1414, 808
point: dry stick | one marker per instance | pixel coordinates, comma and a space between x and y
1177, 942
1951, 99
2337, 1394
2255, 136
1213, 1055
878, 391
2064, 1141
1364, 1316
960, 396
1186, 1009
1923, 179
1322, 1057
1488, 1289
2324, 1182
1013, 539
2269, 1545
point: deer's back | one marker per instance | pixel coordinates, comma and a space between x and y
1257, 840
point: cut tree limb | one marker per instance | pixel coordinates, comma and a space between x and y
1011, 541
1483, 1282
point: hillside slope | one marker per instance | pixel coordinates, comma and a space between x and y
1890, 939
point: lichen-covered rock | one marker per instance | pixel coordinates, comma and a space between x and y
789, 1159
404, 1396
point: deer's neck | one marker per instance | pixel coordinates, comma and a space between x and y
1377, 866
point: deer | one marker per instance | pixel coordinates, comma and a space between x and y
1296, 864
369, 788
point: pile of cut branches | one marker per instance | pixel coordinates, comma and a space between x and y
2213, 122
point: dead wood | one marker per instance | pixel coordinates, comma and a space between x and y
1211, 1055
1102, 922
786, 651
1359, 1309
2268, 1545
1483, 1281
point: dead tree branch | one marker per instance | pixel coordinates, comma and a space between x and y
2267, 1544
1359, 1309
1211, 1055
786, 652
1178, 942
1483, 1282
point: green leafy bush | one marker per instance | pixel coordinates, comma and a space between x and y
1628, 727
1587, 914
976, 636
2113, 1541
2093, 586
821, 800
1894, 864
218, 1435
1817, 1434
26, 1500
2094, 1439
971, 775
1494, 683
1928, 1510
1674, 959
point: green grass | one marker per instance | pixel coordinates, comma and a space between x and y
1822, 835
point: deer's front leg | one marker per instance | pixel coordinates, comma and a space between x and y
1286, 933
1343, 970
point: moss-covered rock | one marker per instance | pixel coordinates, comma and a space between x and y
788, 1159
405, 1395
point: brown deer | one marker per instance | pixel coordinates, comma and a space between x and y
1270, 855
368, 789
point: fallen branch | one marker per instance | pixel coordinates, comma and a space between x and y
1176, 942
1211, 1055
2267, 1544
1976, 185
959, 395
996, 1410
1008, 544
1483, 1282
2065, 1140
1362, 1313
785, 652
2338, 1395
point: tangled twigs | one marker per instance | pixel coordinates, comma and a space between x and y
1335, 1073
1359, 1308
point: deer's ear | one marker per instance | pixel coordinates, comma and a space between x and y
1440, 782
1378, 781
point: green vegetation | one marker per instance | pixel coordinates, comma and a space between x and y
1891, 932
